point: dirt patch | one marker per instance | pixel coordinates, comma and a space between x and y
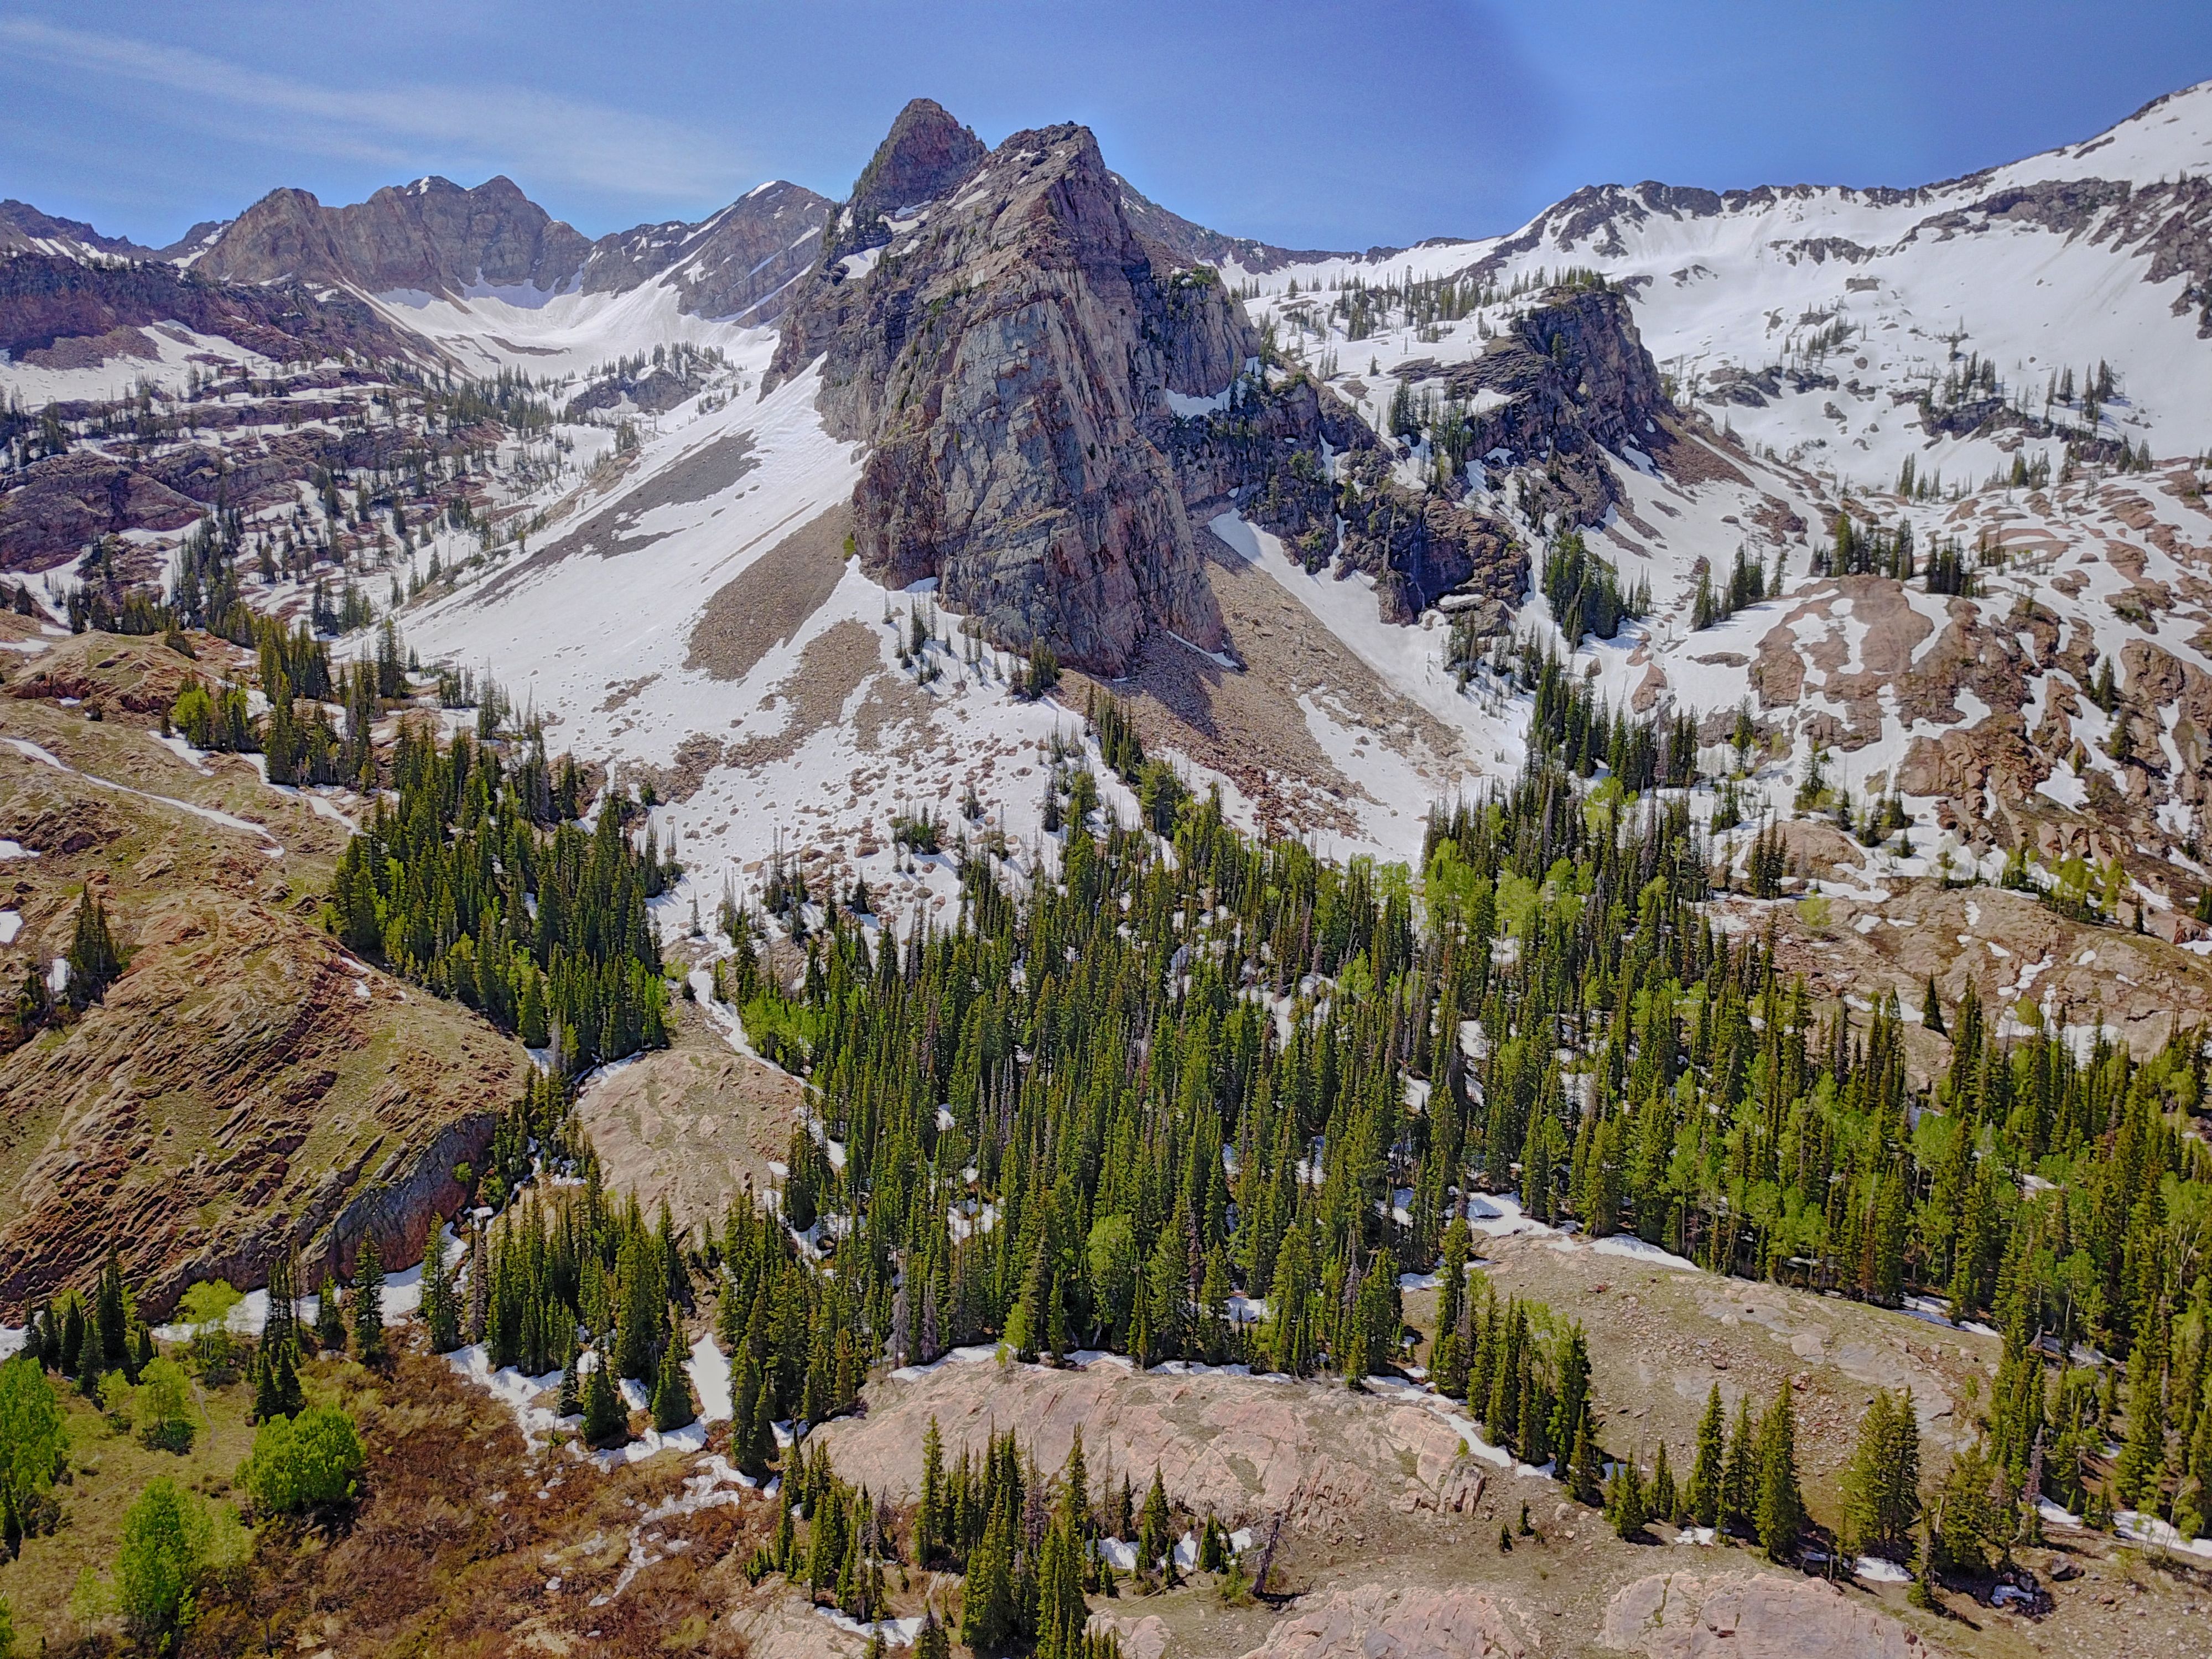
768, 602
91, 350
834, 665
1248, 726
699, 475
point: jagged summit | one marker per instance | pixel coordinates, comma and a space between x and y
431, 236
924, 154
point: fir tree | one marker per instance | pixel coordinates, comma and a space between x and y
1882, 1482
606, 1422
330, 1317
1778, 1513
672, 1404
367, 1299
440, 1313
1739, 1494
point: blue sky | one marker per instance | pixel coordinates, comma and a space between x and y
1310, 123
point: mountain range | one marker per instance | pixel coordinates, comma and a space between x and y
824, 559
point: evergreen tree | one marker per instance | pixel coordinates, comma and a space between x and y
368, 1299
1156, 1531
1882, 1482
94, 960
330, 1317
1740, 1478
606, 1423
1625, 1500
1780, 1507
441, 1309
1665, 1501
673, 1405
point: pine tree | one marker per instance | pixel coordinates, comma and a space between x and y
94, 961
929, 1517
2135, 1476
931, 1641
1739, 1491
673, 1406
989, 1616
1624, 1499
1779, 1510
1155, 1530
368, 1300
330, 1317
1665, 1502
440, 1313
1882, 1482
606, 1423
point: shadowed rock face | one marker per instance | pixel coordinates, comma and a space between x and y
1006, 353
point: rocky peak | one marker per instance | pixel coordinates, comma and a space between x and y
22, 226
432, 236
1006, 353
924, 154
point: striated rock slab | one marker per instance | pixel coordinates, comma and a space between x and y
1375, 1621
1244, 1447
1675, 1615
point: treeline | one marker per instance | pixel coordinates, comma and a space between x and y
479, 883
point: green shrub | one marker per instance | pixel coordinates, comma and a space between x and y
161, 1408
303, 1462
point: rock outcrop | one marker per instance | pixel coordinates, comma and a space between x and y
1377, 1621
45, 298
738, 265
1568, 384
997, 333
1679, 1616
243, 1088
1248, 1450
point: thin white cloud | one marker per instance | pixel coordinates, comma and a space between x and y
549, 138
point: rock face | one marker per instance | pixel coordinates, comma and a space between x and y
45, 298
243, 1087
24, 228
1006, 350
1188, 243
1570, 382
1679, 1616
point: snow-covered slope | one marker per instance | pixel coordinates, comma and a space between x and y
682, 612
2100, 253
